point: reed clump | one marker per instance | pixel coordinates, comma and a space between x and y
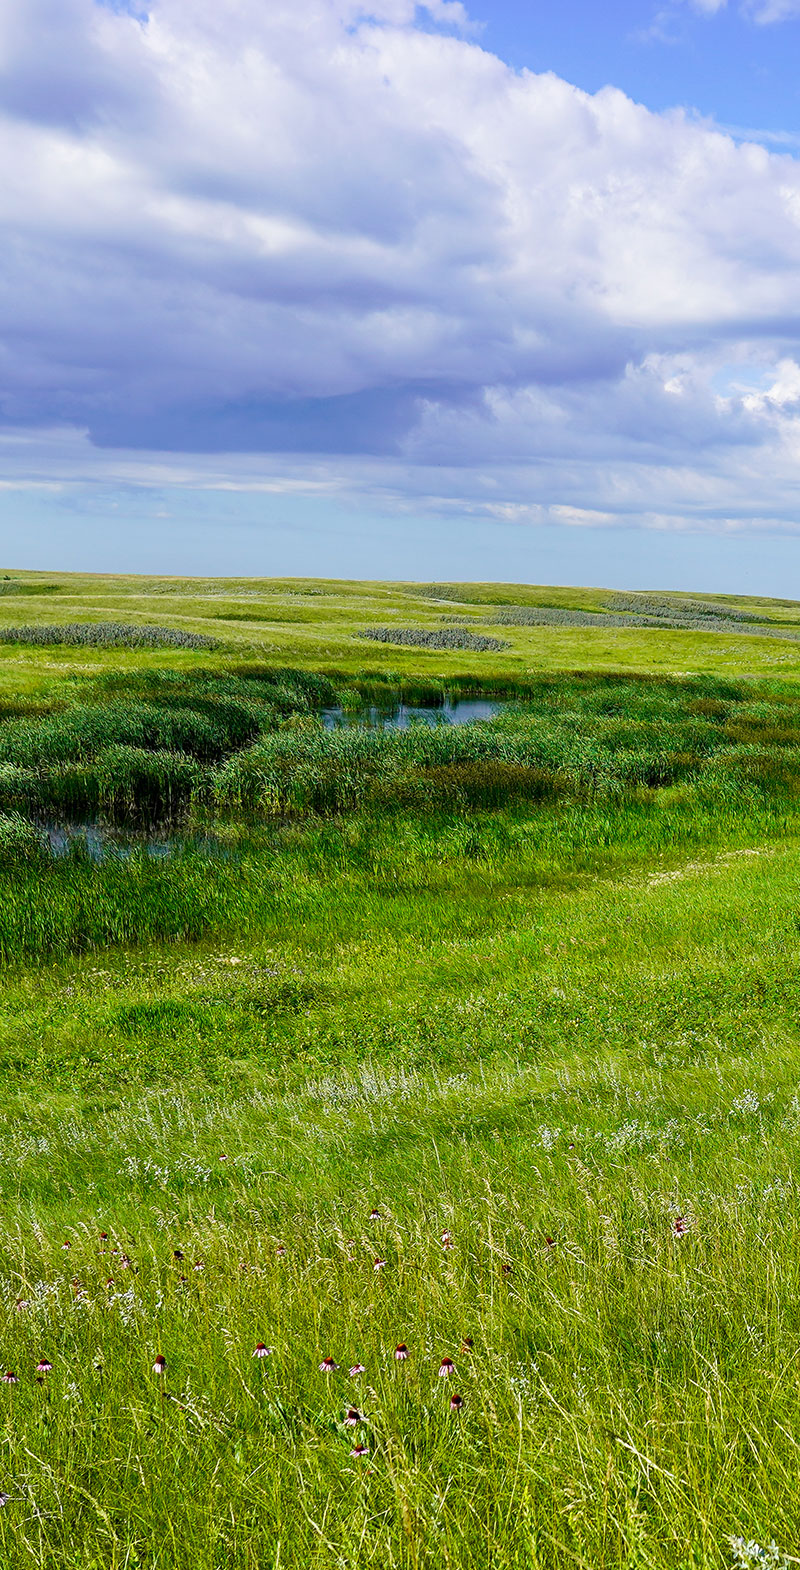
106, 634
432, 638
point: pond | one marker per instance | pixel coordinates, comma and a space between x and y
463, 712
100, 841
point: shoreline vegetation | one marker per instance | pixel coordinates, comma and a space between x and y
399, 1155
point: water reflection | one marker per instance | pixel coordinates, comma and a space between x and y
401, 715
100, 842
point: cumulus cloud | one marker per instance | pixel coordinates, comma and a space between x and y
356, 250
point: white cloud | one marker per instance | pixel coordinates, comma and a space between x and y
284, 230
762, 11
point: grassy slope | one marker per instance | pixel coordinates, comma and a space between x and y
312, 627
479, 1028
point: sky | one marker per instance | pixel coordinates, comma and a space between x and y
504, 289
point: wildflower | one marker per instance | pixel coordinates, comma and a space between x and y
44, 1366
5, 1499
9, 1378
66, 1245
328, 1366
160, 1364
222, 1158
281, 1250
505, 1268
262, 1350
467, 1344
447, 1240
380, 1264
374, 1215
353, 1417
549, 1242
456, 1402
680, 1226
359, 1450
357, 1368
401, 1352
21, 1304
198, 1265
103, 1237
177, 1253
126, 1261
446, 1368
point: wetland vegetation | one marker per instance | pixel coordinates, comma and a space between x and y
472, 1042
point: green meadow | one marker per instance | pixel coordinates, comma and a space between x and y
400, 1157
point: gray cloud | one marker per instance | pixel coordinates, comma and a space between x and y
293, 230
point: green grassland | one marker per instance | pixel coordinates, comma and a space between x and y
310, 623
480, 1040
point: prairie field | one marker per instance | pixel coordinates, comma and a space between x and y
400, 1157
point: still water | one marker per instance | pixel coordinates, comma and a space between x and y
99, 842
463, 712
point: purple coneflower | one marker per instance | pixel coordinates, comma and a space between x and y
456, 1402
379, 1264
66, 1245
281, 1250
353, 1417
446, 1368
374, 1215
328, 1366
21, 1304
357, 1368
262, 1350
9, 1378
198, 1265
359, 1450
177, 1253
447, 1240
680, 1226
549, 1242
44, 1366
160, 1364
401, 1352
467, 1344
103, 1237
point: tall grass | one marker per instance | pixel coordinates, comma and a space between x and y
507, 1074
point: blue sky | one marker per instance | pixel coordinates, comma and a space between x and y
722, 63
508, 291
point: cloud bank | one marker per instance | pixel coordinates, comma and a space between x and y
294, 245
